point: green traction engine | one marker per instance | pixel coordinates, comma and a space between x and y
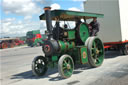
68, 47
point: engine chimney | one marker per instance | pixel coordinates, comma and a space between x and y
48, 21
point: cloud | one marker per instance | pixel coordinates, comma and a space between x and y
13, 28
44, 2
27, 17
74, 9
20, 7
8, 20
55, 6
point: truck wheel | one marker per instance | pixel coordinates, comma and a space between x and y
121, 49
39, 66
126, 49
95, 52
11, 45
65, 66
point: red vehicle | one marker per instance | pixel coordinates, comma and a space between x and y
19, 42
122, 46
10, 42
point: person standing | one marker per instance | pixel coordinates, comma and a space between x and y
95, 27
77, 22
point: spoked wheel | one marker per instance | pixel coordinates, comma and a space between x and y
95, 52
126, 49
4, 45
12, 45
39, 66
87, 41
65, 66
121, 49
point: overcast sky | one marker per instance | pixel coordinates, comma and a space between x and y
20, 16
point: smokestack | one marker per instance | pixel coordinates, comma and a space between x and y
48, 21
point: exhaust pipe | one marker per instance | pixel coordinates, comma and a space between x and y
48, 21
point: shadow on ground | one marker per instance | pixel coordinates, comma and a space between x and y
29, 74
112, 54
78, 69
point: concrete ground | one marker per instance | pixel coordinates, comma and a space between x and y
15, 64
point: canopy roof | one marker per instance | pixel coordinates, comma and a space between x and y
70, 15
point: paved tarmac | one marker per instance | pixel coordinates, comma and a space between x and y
15, 65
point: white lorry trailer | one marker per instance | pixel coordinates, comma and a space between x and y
114, 25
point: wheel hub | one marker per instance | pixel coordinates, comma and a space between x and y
97, 51
39, 66
68, 66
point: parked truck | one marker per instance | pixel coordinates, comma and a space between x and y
34, 38
114, 26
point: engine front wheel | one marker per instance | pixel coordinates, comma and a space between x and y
39, 66
65, 66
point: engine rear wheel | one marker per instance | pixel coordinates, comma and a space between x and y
87, 41
39, 66
95, 52
65, 66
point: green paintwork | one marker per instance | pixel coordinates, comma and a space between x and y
71, 34
67, 67
62, 46
76, 55
84, 32
70, 15
54, 58
38, 40
83, 55
33, 32
65, 46
70, 45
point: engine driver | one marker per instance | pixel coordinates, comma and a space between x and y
95, 27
